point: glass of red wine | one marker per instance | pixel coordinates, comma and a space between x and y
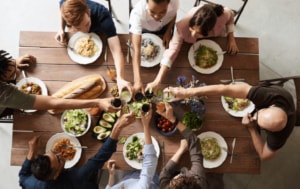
116, 102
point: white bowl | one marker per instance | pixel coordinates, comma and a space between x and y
75, 128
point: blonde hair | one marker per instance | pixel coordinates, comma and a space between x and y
73, 11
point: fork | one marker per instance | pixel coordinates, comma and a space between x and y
128, 51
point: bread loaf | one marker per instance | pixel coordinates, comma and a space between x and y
87, 87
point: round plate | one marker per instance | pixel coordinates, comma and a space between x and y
217, 162
211, 44
133, 163
234, 113
81, 59
157, 41
36, 81
73, 140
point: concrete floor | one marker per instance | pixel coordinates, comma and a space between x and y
275, 23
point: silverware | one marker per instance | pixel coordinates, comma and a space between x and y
231, 73
128, 51
221, 53
233, 146
163, 153
28, 88
105, 54
71, 146
227, 81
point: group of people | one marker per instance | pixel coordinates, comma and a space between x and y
275, 110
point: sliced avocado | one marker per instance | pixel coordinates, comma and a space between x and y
104, 135
105, 124
113, 114
108, 117
98, 129
118, 114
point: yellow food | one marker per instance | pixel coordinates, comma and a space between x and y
35, 88
237, 104
210, 148
86, 47
205, 57
65, 148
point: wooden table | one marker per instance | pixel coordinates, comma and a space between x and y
55, 68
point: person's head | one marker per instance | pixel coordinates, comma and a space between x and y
76, 14
184, 182
204, 20
158, 8
272, 118
47, 167
8, 67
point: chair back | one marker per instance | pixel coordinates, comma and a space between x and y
237, 12
281, 82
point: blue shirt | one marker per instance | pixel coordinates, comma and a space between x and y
72, 178
144, 180
101, 19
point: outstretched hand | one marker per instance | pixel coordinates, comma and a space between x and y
105, 104
111, 166
167, 112
179, 93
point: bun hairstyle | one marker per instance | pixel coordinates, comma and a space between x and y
206, 17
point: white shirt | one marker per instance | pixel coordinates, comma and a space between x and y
140, 18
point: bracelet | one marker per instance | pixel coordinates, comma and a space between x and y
176, 122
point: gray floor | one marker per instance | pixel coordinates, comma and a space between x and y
275, 23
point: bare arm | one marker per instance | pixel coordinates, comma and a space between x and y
115, 48
235, 91
136, 62
146, 123
168, 34
49, 102
61, 36
162, 72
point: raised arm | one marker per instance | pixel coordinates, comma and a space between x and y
115, 48
136, 63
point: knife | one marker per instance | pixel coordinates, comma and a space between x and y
128, 51
221, 53
105, 54
233, 146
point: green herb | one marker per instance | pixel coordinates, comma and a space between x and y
191, 120
122, 140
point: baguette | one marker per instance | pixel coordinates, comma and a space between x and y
87, 87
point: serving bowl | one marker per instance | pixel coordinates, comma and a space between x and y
75, 122
163, 125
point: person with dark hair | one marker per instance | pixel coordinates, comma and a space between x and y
275, 112
146, 177
88, 16
193, 178
150, 16
12, 98
47, 171
200, 22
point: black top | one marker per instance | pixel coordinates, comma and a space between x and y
265, 96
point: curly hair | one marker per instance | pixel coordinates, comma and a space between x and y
5, 58
206, 17
73, 11
184, 182
41, 167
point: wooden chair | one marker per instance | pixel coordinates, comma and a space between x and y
281, 82
237, 13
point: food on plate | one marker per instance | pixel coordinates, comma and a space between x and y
34, 88
86, 47
105, 125
149, 50
237, 104
191, 120
205, 57
65, 148
75, 121
164, 124
86, 87
134, 149
122, 139
211, 150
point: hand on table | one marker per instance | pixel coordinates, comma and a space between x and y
248, 121
61, 38
232, 47
25, 61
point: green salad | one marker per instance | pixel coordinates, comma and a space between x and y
205, 57
191, 120
134, 149
75, 121
210, 148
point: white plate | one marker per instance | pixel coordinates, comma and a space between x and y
234, 113
36, 81
73, 140
134, 163
81, 59
211, 44
217, 162
157, 41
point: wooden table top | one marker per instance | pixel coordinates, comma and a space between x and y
55, 68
